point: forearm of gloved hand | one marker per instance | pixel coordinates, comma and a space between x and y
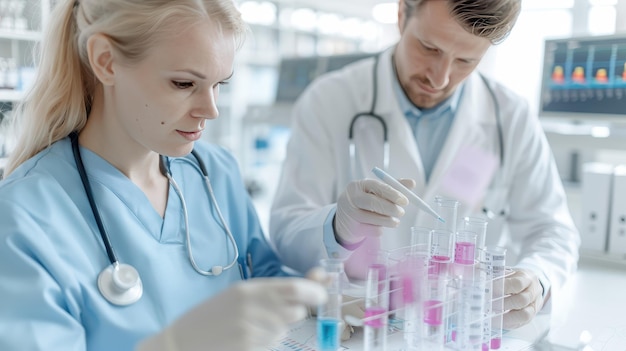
365, 207
523, 298
250, 315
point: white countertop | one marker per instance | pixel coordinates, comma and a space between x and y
593, 310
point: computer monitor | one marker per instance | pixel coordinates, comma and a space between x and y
584, 78
296, 73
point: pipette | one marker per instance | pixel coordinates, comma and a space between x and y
413, 198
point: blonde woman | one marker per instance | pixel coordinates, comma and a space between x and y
113, 236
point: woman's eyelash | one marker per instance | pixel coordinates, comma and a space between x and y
183, 84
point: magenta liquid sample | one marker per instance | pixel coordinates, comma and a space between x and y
464, 252
433, 312
438, 265
496, 343
372, 312
407, 289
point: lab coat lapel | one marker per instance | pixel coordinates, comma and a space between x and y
405, 160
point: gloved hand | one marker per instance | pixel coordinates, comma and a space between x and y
354, 307
365, 207
523, 298
250, 315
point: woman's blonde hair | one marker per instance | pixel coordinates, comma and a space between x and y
59, 101
490, 19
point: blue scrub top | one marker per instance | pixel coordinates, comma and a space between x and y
51, 251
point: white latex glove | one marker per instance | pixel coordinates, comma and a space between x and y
523, 299
365, 207
355, 308
250, 315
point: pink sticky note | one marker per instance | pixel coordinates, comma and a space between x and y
469, 175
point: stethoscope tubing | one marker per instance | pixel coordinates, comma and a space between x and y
126, 288
372, 114
92, 203
207, 182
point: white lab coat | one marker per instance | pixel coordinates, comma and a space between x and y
537, 228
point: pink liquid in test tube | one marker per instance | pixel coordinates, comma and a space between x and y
407, 289
464, 252
433, 312
496, 343
439, 265
373, 312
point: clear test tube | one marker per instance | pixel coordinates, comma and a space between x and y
421, 241
477, 225
464, 254
414, 279
446, 208
495, 257
376, 308
329, 321
488, 311
441, 251
469, 329
435, 311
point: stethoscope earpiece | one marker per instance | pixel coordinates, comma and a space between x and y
120, 284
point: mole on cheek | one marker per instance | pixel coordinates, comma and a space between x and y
162, 123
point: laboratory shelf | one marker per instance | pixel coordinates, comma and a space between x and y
26, 35
11, 95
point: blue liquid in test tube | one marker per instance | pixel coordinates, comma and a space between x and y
328, 334
329, 322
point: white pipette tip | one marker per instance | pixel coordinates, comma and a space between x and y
413, 198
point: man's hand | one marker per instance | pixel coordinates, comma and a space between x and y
523, 298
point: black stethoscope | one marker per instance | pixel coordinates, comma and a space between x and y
119, 283
381, 120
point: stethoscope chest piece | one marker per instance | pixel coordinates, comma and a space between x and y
120, 284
